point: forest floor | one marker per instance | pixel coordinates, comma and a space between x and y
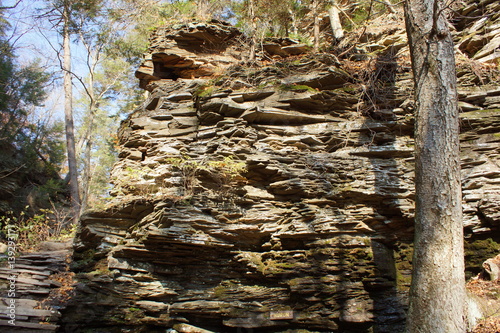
488, 294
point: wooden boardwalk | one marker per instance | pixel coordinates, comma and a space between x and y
25, 285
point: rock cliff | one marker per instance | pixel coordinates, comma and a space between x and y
276, 195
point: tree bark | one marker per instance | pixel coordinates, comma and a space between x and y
333, 12
68, 115
293, 18
253, 33
89, 138
202, 10
437, 294
315, 13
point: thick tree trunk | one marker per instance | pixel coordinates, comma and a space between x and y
437, 295
68, 116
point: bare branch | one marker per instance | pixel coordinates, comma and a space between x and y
11, 7
12, 172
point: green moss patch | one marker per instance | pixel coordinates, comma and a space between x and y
476, 252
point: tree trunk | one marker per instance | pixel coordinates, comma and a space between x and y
202, 10
253, 33
293, 18
315, 12
68, 116
333, 12
89, 138
87, 170
437, 294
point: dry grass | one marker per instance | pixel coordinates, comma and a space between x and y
488, 325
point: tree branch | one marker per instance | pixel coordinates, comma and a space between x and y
13, 171
11, 7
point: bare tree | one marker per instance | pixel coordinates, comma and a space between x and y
437, 295
96, 90
68, 111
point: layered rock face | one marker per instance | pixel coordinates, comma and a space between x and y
269, 197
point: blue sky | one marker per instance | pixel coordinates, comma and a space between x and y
33, 41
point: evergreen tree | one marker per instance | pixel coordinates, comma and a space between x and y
30, 142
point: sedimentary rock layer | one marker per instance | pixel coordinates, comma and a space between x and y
271, 197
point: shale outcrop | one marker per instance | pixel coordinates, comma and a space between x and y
271, 196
